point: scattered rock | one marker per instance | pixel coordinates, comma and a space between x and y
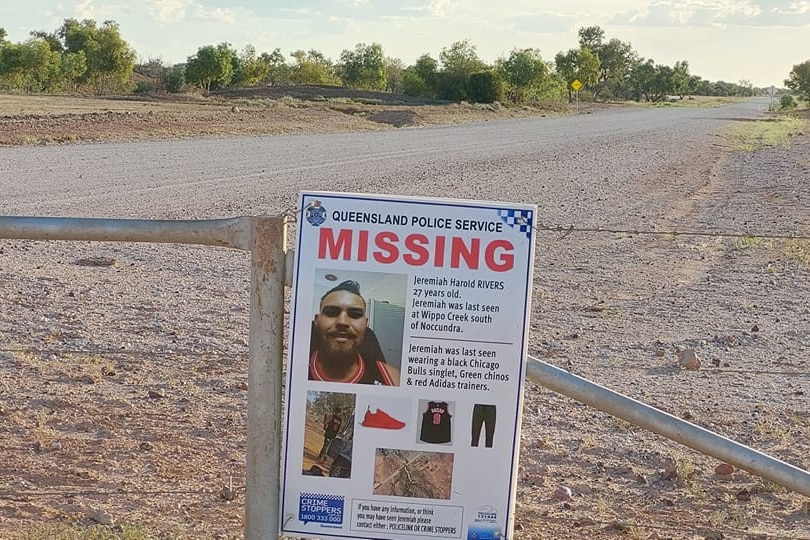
96, 261
660, 353
157, 394
724, 469
99, 516
688, 359
713, 535
227, 493
563, 493
396, 118
145, 446
743, 495
234, 109
670, 472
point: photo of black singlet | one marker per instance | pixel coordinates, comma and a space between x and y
436, 423
483, 415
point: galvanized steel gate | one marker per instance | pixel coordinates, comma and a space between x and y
265, 238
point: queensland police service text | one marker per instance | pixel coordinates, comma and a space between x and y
417, 248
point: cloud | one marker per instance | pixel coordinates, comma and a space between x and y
168, 10
717, 13
441, 8
223, 15
797, 8
84, 9
87, 9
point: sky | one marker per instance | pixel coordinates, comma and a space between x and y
729, 40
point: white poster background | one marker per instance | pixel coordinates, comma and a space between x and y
463, 340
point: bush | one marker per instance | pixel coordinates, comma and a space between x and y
787, 102
174, 79
485, 87
143, 87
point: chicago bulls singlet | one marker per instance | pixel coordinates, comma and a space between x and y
436, 423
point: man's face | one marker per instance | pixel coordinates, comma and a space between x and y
341, 324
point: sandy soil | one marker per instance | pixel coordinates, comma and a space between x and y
149, 442
26, 120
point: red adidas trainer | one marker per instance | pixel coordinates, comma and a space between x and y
381, 420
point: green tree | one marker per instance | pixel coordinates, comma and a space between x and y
53, 40
654, 83
175, 78
30, 66
421, 79
591, 37
459, 61
578, 64
110, 59
278, 71
414, 85
799, 79
364, 67
525, 72
248, 68
615, 60
210, 67
394, 71
74, 66
312, 68
680, 79
3, 35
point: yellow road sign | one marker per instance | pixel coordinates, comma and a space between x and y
576, 85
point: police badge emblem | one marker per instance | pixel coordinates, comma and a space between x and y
315, 213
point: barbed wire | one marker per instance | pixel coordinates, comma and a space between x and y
572, 367
106, 493
291, 214
569, 229
117, 352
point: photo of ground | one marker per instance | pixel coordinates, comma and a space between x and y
412, 473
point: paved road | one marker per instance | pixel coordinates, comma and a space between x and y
553, 162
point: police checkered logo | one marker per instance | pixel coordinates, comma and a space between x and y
518, 219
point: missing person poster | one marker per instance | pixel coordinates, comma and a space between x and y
406, 361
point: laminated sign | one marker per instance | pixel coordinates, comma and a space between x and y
404, 384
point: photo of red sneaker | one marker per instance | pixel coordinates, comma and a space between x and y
380, 420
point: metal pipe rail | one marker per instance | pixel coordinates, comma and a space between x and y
669, 426
230, 232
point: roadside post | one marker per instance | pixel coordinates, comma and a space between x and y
405, 377
576, 85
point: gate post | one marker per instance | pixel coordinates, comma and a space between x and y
265, 380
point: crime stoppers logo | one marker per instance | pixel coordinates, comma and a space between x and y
318, 508
485, 525
315, 213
